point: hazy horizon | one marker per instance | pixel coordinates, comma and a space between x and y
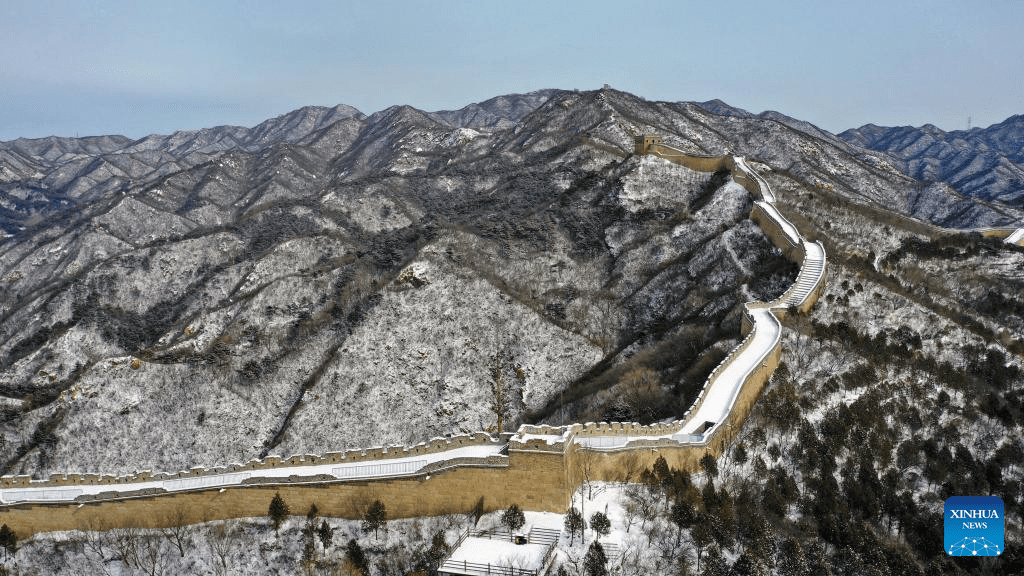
102, 68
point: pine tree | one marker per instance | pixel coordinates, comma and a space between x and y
356, 557
376, 517
709, 465
477, 511
8, 539
594, 563
600, 524
748, 565
437, 552
326, 534
714, 564
278, 511
574, 524
513, 518
792, 560
702, 535
661, 472
682, 515
761, 542
818, 561
739, 454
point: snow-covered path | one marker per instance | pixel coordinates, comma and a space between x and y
1016, 238
390, 467
721, 394
810, 276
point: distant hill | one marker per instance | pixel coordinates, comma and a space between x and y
982, 163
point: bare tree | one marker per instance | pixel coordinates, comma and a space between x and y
642, 503
151, 556
506, 382
608, 321
221, 539
629, 467
93, 540
586, 466
641, 391
178, 531
499, 392
126, 544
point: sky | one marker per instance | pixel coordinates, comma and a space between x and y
137, 68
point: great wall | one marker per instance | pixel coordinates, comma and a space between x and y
538, 467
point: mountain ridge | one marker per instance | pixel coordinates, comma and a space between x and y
261, 267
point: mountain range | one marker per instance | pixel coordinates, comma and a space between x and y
329, 280
235, 283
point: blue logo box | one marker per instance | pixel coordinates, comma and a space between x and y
973, 526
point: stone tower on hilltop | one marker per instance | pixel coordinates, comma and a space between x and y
645, 141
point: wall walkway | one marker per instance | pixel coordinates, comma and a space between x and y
1016, 238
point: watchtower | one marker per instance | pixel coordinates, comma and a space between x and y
645, 141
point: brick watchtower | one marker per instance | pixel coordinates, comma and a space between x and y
645, 141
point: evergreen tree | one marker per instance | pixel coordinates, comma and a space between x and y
714, 564
326, 534
313, 513
308, 552
376, 517
439, 549
709, 465
710, 497
792, 560
8, 540
702, 535
739, 454
748, 565
278, 511
574, 524
513, 518
356, 557
725, 528
818, 561
682, 515
600, 524
594, 563
661, 472
761, 542
477, 511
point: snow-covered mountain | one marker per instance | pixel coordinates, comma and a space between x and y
260, 289
981, 163
328, 280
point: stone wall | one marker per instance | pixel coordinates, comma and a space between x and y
772, 228
434, 446
535, 481
691, 161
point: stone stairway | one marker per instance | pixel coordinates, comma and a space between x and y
807, 279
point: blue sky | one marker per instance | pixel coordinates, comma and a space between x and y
135, 68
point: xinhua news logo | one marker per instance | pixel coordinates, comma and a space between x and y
973, 526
